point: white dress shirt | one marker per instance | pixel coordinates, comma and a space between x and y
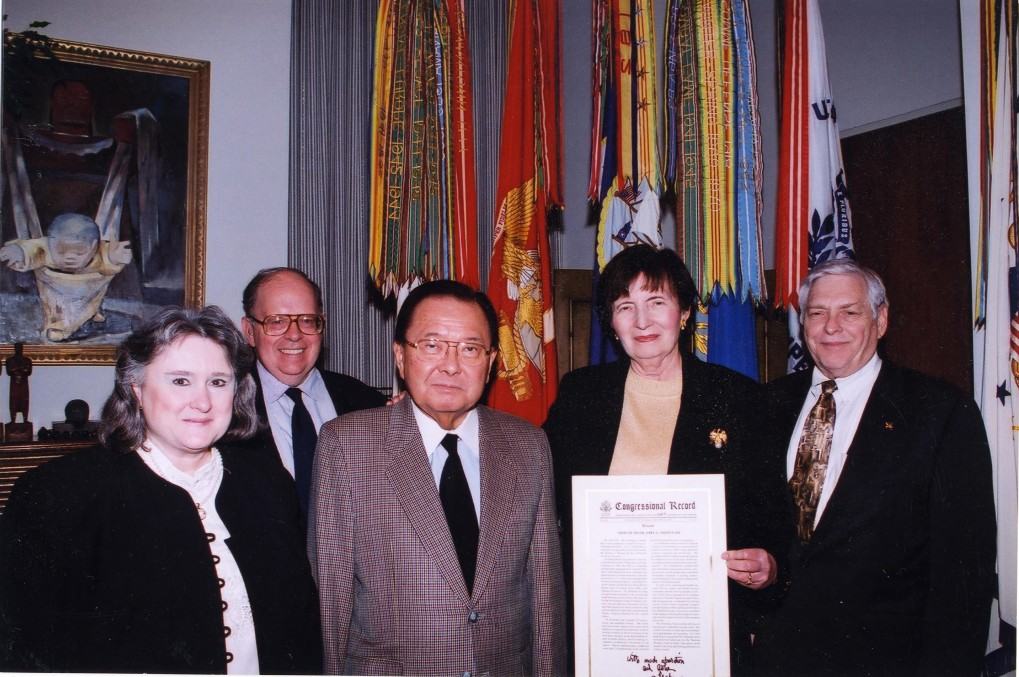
468, 448
850, 400
203, 486
279, 408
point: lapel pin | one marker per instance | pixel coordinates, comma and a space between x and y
889, 426
718, 438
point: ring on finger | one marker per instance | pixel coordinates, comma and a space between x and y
750, 578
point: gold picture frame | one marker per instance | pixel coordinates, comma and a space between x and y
120, 137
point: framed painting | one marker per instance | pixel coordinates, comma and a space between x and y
102, 219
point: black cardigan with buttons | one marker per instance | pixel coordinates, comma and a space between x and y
105, 567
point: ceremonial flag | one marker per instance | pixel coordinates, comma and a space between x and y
528, 192
713, 171
813, 222
998, 292
731, 326
423, 204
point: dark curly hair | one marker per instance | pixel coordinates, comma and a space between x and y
661, 268
123, 426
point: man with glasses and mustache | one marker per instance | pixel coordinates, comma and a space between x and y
283, 322
433, 532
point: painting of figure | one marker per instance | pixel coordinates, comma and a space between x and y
102, 182
73, 267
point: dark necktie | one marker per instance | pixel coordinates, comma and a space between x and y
304, 435
812, 460
459, 509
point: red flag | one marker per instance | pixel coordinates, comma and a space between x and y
794, 159
814, 221
520, 281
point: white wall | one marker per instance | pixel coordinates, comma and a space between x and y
891, 61
248, 44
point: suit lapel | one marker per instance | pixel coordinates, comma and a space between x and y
787, 401
690, 438
259, 397
876, 458
336, 393
414, 486
784, 399
265, 430
498, 485
604, 424
263, 442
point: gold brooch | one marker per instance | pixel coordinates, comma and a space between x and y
718, 438
889, 426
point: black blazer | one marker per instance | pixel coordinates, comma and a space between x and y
348, 394
898, 576
582, 427
104, 567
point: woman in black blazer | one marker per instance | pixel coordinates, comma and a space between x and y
159, 552
660, 410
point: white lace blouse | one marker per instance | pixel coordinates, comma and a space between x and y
202, 486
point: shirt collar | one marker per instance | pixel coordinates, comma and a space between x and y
273, 388
161, 464
847, 384
432, 433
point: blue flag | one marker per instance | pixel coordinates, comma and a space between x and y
732, 334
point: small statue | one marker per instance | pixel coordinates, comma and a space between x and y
76, 427
19, 368
76, 412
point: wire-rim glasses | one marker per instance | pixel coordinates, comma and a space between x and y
435, 349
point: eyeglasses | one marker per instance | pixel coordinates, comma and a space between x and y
277, 325
436, 349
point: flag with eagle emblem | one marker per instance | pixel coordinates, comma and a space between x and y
527, 195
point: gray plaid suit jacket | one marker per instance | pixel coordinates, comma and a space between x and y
393, 598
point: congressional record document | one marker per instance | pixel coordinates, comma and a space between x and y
650, 590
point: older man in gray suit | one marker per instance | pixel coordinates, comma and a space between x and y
433, 533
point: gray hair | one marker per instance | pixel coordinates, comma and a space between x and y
123, 426
876, 294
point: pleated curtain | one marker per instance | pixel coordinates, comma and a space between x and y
331, 80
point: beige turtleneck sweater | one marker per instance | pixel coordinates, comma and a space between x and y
650, 410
